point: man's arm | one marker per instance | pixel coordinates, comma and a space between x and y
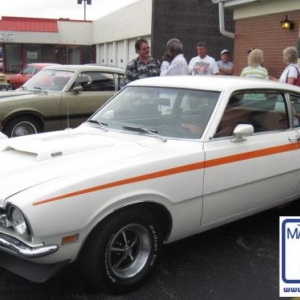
130, 72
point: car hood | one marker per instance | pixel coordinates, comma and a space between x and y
31, 160
16, 94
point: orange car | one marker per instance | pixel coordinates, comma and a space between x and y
26, 73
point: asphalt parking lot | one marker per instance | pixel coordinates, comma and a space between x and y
236, 261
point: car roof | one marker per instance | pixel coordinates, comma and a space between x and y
86, 68
213, 82
105, 65
43, 64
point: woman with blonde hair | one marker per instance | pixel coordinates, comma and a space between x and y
255, 69
291, 72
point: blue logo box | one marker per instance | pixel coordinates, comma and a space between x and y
289, 234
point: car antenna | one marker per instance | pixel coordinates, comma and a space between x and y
67, 56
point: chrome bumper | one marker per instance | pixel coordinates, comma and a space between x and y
23, 250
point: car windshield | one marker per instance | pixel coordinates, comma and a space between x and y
49, 80
167, 112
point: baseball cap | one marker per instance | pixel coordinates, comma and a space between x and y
224, 51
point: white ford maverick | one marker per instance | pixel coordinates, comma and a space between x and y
165, 158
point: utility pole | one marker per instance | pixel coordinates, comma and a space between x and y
89, 2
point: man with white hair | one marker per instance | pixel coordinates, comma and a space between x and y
174, 62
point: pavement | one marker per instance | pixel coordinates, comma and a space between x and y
234, 262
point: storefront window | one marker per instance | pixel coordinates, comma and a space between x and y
13, 63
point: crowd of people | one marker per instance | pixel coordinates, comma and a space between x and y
173, 62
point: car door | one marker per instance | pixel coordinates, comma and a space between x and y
242, 177
295, 109
97, 88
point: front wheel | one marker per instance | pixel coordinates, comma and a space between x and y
21, 125
121, 253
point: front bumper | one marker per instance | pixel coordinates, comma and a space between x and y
29, 270
23, 250
19, 261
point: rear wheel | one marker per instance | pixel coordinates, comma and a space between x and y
21, 125
120, 254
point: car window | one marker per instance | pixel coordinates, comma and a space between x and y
28, 70
84, 80
169, 112
295, 102
49, 80
266, 111
96, 81
35, 70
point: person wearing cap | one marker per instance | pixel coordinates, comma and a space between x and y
203, 64
225, 66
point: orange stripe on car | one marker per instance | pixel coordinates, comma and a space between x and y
177, 170
181, 169
250, 155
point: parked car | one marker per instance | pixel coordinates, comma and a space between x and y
3, 82
26, 73
2, 136
57, 97
164, 159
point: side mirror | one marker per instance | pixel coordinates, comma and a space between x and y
77, 89
241, 131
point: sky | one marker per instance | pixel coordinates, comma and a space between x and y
55, 9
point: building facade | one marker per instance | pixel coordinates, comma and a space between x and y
110, 39
258, 25
236, 25
114, 35
27, 40
191, 21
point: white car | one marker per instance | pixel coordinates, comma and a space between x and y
3, 136
164, 159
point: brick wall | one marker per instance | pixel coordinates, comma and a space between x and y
266, 34
190, 21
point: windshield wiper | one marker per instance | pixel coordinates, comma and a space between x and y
144, 130
100, 124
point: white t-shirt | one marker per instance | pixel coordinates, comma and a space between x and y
203, 66
290, 71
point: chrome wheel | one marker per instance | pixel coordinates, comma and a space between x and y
21, 125
129, 251
122, 251
23, 128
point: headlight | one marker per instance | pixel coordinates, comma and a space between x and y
18, 222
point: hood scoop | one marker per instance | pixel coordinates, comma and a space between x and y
44, 148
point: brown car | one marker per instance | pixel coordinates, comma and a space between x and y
26, 73
58, 97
